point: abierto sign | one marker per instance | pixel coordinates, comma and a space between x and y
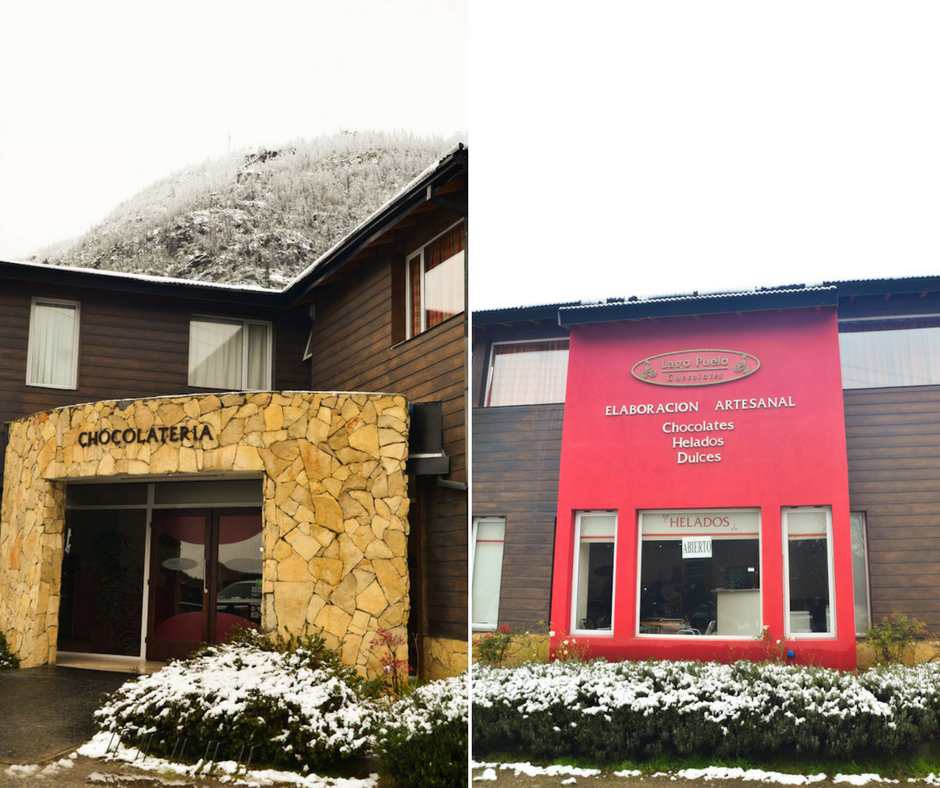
695, 367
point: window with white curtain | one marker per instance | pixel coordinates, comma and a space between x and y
52, 356
435, 275
225, 353
487, 569
527, 373
890, 352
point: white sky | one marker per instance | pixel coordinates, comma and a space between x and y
99, 99
619, 148
638, 148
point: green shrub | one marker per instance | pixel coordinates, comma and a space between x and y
8, 660
895, 638
609, 713
493, 647
423, 738
296, 706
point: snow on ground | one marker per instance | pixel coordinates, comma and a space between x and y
709, 773
98, 748
748, 775
33, 770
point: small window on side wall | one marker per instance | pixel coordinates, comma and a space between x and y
435, 281
230, 354
52, 356
810, 598
593, 583
487, 570
860, 582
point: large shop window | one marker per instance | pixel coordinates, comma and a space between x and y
229, 354
594, 572
808, 572
700, 573
884, 353
436, 281
52, 356
487, 570
527, 373
860, 572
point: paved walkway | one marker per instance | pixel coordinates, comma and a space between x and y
47, 711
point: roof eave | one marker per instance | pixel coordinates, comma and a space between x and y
686, 307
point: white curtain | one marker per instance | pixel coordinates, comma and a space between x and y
215, 354
258, 356
53, 345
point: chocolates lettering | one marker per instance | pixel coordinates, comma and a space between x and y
154, 435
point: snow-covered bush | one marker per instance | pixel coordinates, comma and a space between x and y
8, 660
294, 707
628, 710
423, 737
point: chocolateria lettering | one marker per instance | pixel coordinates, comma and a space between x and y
153, 435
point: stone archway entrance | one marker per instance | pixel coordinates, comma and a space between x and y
333, 511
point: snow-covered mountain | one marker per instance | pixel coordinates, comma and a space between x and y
253, 217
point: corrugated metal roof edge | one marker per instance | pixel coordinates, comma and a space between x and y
713, 303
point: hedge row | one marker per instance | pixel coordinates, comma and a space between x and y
611, 712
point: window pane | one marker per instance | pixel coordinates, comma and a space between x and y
443, 290
700, 573
808, 572
215, 354
881, 353
595, 592
860, 572
258, 357
487, 571
528, 373
54, 330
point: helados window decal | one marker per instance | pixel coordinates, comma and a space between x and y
695, 367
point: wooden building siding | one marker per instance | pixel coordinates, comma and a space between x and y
516, 455
358, 330
130, 345
893, 440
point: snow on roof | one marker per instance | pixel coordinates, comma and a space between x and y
697, 297
142, 277
250, 287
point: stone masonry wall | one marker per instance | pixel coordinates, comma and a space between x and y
335, 506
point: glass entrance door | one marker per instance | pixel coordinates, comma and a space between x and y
205, 578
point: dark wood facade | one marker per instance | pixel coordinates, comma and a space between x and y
893, 438
130, 344
516, 456
359, 344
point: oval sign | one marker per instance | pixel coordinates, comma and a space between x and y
695, 367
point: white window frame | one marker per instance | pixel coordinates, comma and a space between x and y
864, 515
419, 252
492, 360
37, 301
784, 516
598, 633
245, 323
639, 573
483, 626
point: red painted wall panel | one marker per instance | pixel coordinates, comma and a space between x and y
772, 458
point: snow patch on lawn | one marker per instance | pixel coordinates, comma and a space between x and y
99, 745
749, 775
488, 774
860, 779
